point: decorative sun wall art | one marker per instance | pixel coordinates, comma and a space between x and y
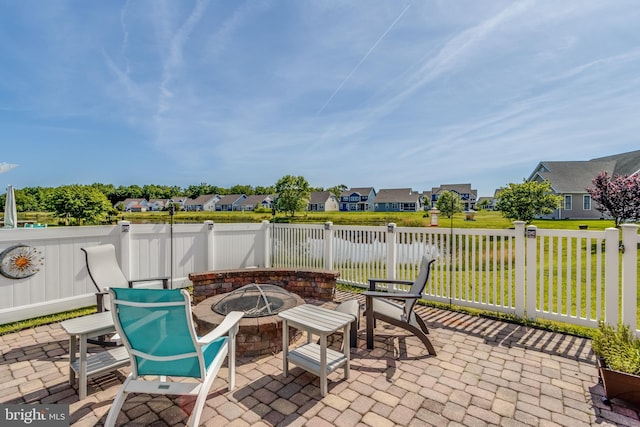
20, 261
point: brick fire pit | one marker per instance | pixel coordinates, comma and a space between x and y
257, 335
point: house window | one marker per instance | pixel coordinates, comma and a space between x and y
568, 202
586, 202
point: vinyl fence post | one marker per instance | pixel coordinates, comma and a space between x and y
266, 244
328, 245
211, 254
629, 275
391, 251
521, 307
531, 271
125, 248
611, 274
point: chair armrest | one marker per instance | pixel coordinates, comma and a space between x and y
394, 295
164, 280
372, 282
229, 322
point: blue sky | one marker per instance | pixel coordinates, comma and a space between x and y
363, 93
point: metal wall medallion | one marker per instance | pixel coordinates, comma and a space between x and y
20, 261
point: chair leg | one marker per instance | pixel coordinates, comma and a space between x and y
116, 406
423, 325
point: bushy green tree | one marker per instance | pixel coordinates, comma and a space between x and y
241, 189
292, 194
337, 189
449, 203
84, 204
524, 201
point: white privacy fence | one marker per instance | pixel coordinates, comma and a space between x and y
144, 250
578, 276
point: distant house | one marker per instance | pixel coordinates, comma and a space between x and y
322, 201
357, 199
205, 202
179, 202
230, 202
256, 201
398, 200
135, 205
468, 195
488, 203
156, 205
571, 180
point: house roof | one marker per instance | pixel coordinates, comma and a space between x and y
230, 199
626, 163
458, 188
255, 199
129, 201
397, 195
576, 176
363, 191
570, 177
201, 200
320, 196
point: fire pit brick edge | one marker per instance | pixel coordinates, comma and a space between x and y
316, 284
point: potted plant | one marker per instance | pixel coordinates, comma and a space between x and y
618, 356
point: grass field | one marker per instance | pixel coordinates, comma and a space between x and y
482, 219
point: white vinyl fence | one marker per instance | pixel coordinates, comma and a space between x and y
573, 276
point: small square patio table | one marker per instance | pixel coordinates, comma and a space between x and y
314, 358
85, 365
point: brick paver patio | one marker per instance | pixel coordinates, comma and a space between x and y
486, 373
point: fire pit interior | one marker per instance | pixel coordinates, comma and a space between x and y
260, 329
255, 300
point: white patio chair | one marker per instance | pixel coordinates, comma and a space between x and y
157, 330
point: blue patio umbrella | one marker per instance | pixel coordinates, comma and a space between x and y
10, 211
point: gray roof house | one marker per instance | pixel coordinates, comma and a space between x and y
357, 199
466, 193
397, 200
230, 202
572, 178
322, 201
256, 200
205, 202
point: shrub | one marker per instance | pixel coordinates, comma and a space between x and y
619, 348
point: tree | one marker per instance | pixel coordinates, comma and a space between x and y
241, 189
292, 194
337, 189
260, 190
83, 203
483, 205
618, 196
449, 203
522, 202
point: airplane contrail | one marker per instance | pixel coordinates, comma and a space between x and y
363, 59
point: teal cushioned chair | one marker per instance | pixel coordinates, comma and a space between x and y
157, 329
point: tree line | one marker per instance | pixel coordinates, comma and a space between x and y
615, 196
94, 203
